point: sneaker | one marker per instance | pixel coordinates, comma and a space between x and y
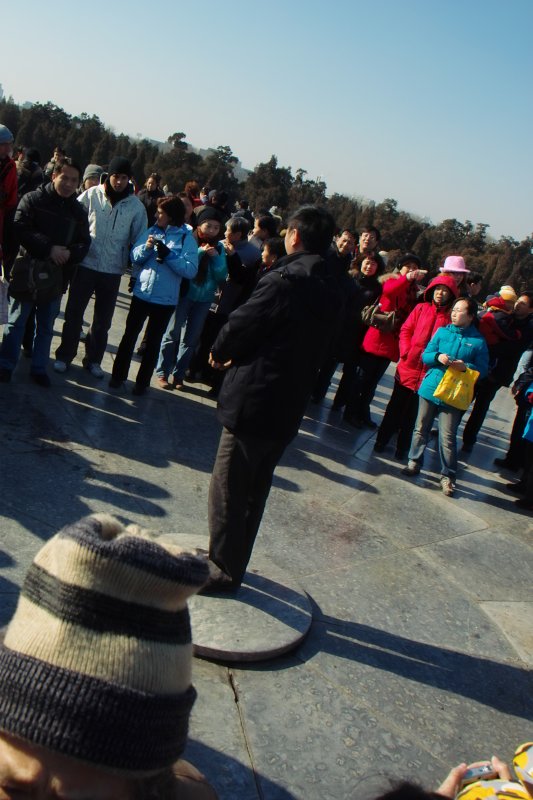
163, 383
447, 486
41, 379
94, 368
5, 375
411, 469
60, 366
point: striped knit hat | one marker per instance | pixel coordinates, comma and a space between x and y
96, 662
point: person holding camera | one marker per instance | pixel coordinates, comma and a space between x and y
161, 257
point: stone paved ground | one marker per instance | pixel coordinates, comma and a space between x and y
421, 646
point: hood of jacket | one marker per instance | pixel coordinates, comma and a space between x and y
441, 280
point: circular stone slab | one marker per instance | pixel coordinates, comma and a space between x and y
268, 616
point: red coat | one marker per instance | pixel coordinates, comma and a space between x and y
418, 329
400, 294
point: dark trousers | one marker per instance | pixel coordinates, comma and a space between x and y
105, 288
158, 318
527, 478
516, 455
240, 484
400, 417
485, 393
199, 362
371, 370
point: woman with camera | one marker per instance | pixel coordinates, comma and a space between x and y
161, 257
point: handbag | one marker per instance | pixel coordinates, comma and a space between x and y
40, 281
384, 321
456, 388
4, 301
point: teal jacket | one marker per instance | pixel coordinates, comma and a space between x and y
466, 344
216, 274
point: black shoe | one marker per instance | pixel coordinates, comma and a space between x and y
355, 422
368, 422
139, 390
467, 447
503, 462
220, 583
114, 383
516, 488
41, 379
5, 376
527, 505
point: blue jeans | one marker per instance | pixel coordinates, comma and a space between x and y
449, 419
19, 311
177, 349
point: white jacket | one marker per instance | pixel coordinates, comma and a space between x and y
113, 229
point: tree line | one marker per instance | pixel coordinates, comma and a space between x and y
87, 140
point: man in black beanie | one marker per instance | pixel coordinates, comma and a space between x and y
116, 219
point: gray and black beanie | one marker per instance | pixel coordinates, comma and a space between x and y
96, 662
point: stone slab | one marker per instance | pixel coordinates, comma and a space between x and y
515, 621
268, 616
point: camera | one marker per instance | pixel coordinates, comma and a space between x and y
161, 251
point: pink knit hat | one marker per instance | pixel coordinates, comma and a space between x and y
454, 264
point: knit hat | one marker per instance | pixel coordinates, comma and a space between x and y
93, 171
96, 662
119, 166
409, 258
454, 264
6, 137
208, 212
508, 293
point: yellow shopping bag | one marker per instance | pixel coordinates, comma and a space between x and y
456, 388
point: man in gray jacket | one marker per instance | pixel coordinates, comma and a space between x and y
116, 220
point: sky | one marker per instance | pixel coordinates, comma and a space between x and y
428, 102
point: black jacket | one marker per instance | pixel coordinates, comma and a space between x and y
276, 341
44, 219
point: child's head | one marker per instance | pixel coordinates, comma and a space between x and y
273, 249
508, 294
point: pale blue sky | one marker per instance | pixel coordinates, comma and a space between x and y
426, 102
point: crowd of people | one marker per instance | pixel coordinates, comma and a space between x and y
194, 262
275, 307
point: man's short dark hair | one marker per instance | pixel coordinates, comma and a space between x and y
239, 225
529, 294
315, 227
276, 245
66, 161
340, 231
268, 224
371, 229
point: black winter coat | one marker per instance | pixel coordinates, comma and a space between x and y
276, 342
44, 219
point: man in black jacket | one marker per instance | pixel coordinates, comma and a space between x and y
50, 225
272, 347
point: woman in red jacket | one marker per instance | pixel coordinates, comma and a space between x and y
415, 333
379, 348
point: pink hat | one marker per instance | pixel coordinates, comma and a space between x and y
454, 264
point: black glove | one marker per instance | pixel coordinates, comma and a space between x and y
161, 251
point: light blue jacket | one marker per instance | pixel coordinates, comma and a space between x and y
160, 283
466, 344
216, 274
